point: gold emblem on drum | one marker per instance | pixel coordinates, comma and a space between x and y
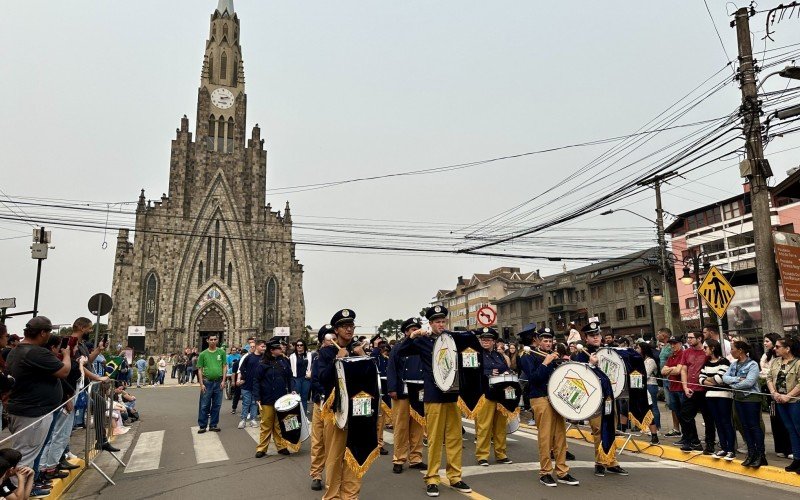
362, 405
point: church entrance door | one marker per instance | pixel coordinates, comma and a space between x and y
211, 325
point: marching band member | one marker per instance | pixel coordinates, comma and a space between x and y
605, 460
341, 481
408, 431
273, 380
318, 396
442, 415
490, 422
538, 367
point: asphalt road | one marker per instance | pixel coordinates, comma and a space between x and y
166, 459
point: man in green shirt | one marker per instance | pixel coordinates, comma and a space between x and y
211, 366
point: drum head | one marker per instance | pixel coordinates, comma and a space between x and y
343, 408
287, 402
612, 364
445, 362
512, 425
574, 391
305, 430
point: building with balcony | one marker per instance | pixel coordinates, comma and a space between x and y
722, 232
480, 290
615, 291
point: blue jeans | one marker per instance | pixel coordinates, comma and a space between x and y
302, 386
210, 403
750, 418
653, 391
249, 405
52, 451
790, 414
53, 422
722, 412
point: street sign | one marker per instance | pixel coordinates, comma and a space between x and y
487, 316
787, 253
100, 304
280, 331
136, 331
716, 291
9, 303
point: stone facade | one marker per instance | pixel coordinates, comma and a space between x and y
211, 256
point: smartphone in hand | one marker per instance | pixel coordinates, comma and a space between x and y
105, 340
65, 342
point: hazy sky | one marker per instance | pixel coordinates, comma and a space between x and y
95, 90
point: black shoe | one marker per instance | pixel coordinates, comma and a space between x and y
432, 490
419, 466
548, 480
567, 479
261, 454
505, 460
483, 463
708, 450
617, 470
570, 456
65, 465
747, 461
794, 466
680, 442
53, 474
109, 447
397, 468
384, 451
425, 442
462, 487
759, 461
599, 470
688, 448
283, 451
214, 429
653, 438
316, 484
201, 430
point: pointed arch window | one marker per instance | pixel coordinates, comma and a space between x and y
216, 249
208, 257
213, 30
225, 30
212, 124
223, 66
211, 66
230, 274
221, 134
200, 274
150, 301
271, 304
235, 73
229, 135
222, 260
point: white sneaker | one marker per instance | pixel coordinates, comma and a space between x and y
253, 423
242, 423
71, 456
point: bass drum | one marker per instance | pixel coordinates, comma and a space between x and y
445, 363
575, 392
613, 365
512, 425
292, 418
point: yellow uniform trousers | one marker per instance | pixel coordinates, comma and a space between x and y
552, 437
270, 428
407, 434
594, 423
381, 425
317, 443
443, 422
490, 427
342, 483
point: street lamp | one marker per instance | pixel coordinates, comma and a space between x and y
695, 259
609, 212
791, 72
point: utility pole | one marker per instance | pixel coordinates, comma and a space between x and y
756, 169
662, 248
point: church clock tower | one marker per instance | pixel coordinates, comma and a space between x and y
210, 257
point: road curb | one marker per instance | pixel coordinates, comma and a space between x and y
60, 486
667, 452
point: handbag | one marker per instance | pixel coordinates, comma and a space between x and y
82, 401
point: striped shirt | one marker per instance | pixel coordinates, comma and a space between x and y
715, 370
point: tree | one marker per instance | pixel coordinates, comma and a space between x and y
390, 328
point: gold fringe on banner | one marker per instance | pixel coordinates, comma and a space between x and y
606, 458
508, 414
326, 410
644, 425
359, 470
386, 409
294, 448
417, 417
470, 414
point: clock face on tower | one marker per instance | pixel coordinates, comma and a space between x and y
222, 98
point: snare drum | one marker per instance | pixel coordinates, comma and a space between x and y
612, 364
575, 392
292, 419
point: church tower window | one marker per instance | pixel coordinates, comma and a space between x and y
200, 274
150, 301
225, 30
208, 256
221, 134
222, 260
230, 274
216, 249
235, 76
229, 148
211, 66
210, 139
223, 66
271, 304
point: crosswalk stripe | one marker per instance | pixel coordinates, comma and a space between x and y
207, 447
388, 437
477, 470
470, 428
254, 433
147, 453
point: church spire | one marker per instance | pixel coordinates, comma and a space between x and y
224, 5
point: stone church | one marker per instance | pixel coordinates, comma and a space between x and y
211, 256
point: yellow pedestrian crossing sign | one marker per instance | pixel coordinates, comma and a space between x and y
716, 291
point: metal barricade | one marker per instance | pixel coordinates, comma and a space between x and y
98, 424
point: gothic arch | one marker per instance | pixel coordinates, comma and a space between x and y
150, 302
271, 300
